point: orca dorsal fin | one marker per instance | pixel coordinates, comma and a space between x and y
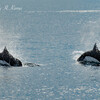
95, 48
5, 50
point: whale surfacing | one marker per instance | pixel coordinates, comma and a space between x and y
92, 56
6, 59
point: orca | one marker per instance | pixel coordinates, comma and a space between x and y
6, 59
90, 57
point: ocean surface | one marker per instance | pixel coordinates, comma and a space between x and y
53, 38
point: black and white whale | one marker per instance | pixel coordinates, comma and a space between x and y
90, 57
6, 59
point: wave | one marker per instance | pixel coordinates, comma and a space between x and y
58, 11
66, 11
30, 65
78, 11
33, 64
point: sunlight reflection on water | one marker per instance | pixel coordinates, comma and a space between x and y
53, 41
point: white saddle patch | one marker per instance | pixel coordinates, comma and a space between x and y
91, 59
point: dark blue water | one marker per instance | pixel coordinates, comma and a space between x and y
54, 39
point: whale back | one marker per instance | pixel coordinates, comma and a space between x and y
6, 56
94, 53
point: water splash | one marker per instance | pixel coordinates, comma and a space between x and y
90, 33
76, 54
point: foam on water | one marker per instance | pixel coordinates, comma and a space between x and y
76, 54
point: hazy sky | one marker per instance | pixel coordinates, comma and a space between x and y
54, 4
